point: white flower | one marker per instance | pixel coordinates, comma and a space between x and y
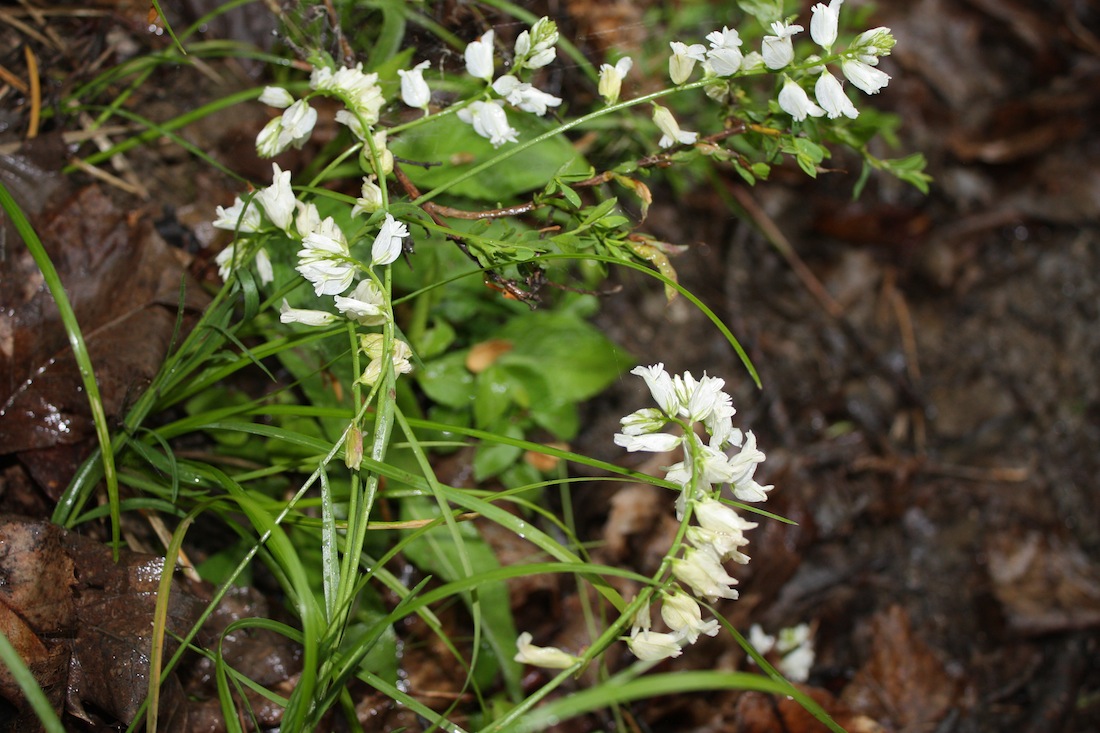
724, 546
611, 79
278, 199
777, 50
651, 443
226, 262
823, 24
359, 91
304, 316
276, 97
830, 95
263, 267
701, 571
794, 101
540, 52
325, 261
292, 128
797, 664
716, 516
653, 645
523, 95
646, 420
479, 57
797, 649
267, 141
238, 218
370, 201
414, 90
698, 399
872, 44
542, 656
683, 59
366, 305
372, 344
298, 122
489, 121
384, 165
683, 616
865, 77
660, 386
387, 245
743, 467
670, 129
760, 641
308, 219
724, 57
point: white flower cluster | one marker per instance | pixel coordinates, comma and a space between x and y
728, 457
533, 50
794, 646
857, 63
724, 59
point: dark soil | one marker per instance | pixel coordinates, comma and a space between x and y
930, 400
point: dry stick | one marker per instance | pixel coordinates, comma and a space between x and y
36, 92
768, 228
508, 287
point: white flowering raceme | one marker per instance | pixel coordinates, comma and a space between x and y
794, 644
864, 76
611, 79
682, 60
671, 134
794, 100
489, 121
542, 656
724, 56
524, 96
387, 245
830, 95
366, 305
278, 200
682, 614
535, 48
359, 91
304, 316
414, 90
479, 57
824, 23
778, 50
371, 199
325, 260
239, 217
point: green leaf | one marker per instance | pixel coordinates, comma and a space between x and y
453, 143
447, 381
576, 360
765, 11
494, 395
492, 458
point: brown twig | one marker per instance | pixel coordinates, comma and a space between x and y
35, 92
773, 234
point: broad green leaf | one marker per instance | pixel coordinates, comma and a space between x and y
452, 143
